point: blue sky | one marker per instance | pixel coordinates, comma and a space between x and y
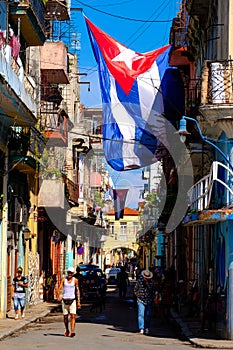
137, 31
130, 179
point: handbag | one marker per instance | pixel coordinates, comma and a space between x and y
68, 301
157, 298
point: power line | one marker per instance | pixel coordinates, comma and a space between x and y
118, 4
122, 17
140, 34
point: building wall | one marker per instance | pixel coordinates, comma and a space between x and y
114, 240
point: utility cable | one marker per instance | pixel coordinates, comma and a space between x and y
122, 17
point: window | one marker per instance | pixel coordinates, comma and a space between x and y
97, 125
135, 227
123, 231
111, 229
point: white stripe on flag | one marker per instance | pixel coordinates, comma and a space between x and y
126, 125
148, 87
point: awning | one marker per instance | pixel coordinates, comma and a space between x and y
211, 216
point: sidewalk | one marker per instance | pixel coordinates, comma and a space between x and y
9, 325
191, 329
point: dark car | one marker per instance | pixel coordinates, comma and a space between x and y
92, 282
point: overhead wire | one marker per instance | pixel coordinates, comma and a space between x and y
124, 17
162, 6
144, 24
118, 3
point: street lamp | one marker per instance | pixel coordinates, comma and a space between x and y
86, 82
183, 133
26, 233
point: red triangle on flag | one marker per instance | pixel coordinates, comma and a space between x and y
123, 63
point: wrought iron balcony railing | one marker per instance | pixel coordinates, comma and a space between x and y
201, 194
24, 140
217, 82
38, 9
193, 93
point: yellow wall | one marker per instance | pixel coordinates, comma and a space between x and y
113, 240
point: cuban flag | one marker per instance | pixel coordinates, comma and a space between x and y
134, 93
119, 197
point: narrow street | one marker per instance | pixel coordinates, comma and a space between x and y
115, 328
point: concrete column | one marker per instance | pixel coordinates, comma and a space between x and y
3, 250
230, 28
69, 252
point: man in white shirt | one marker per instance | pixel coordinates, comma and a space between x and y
71, 293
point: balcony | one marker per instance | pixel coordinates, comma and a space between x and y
54, 122
193, 94
37, 142
54, 63
31, 16
72, 191
47, 197
178, 30
51, 93
217, 96
197, 7
17, 90
92, 118
25, 148
58, 10
219, 179
211, 197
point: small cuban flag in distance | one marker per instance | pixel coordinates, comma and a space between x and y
133, 101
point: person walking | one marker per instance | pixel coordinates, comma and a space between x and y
71, 293
167, 290
18, 292
122, 282
41, 286
144, 291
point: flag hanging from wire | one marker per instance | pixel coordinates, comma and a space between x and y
119, 197
132, 86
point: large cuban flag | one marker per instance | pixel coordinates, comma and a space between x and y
134, 96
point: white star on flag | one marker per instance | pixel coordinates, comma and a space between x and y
126, 55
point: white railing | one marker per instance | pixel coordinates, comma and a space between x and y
13, 73
200, 193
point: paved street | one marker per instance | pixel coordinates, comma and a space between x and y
115, 328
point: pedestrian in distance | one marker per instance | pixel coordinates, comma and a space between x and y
18, 292
70, 300
144, 291
122, 282
41, 286
48, 288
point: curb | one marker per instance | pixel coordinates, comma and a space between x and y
200, 342
25, 323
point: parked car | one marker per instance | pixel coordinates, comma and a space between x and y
92, 282
111, 274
